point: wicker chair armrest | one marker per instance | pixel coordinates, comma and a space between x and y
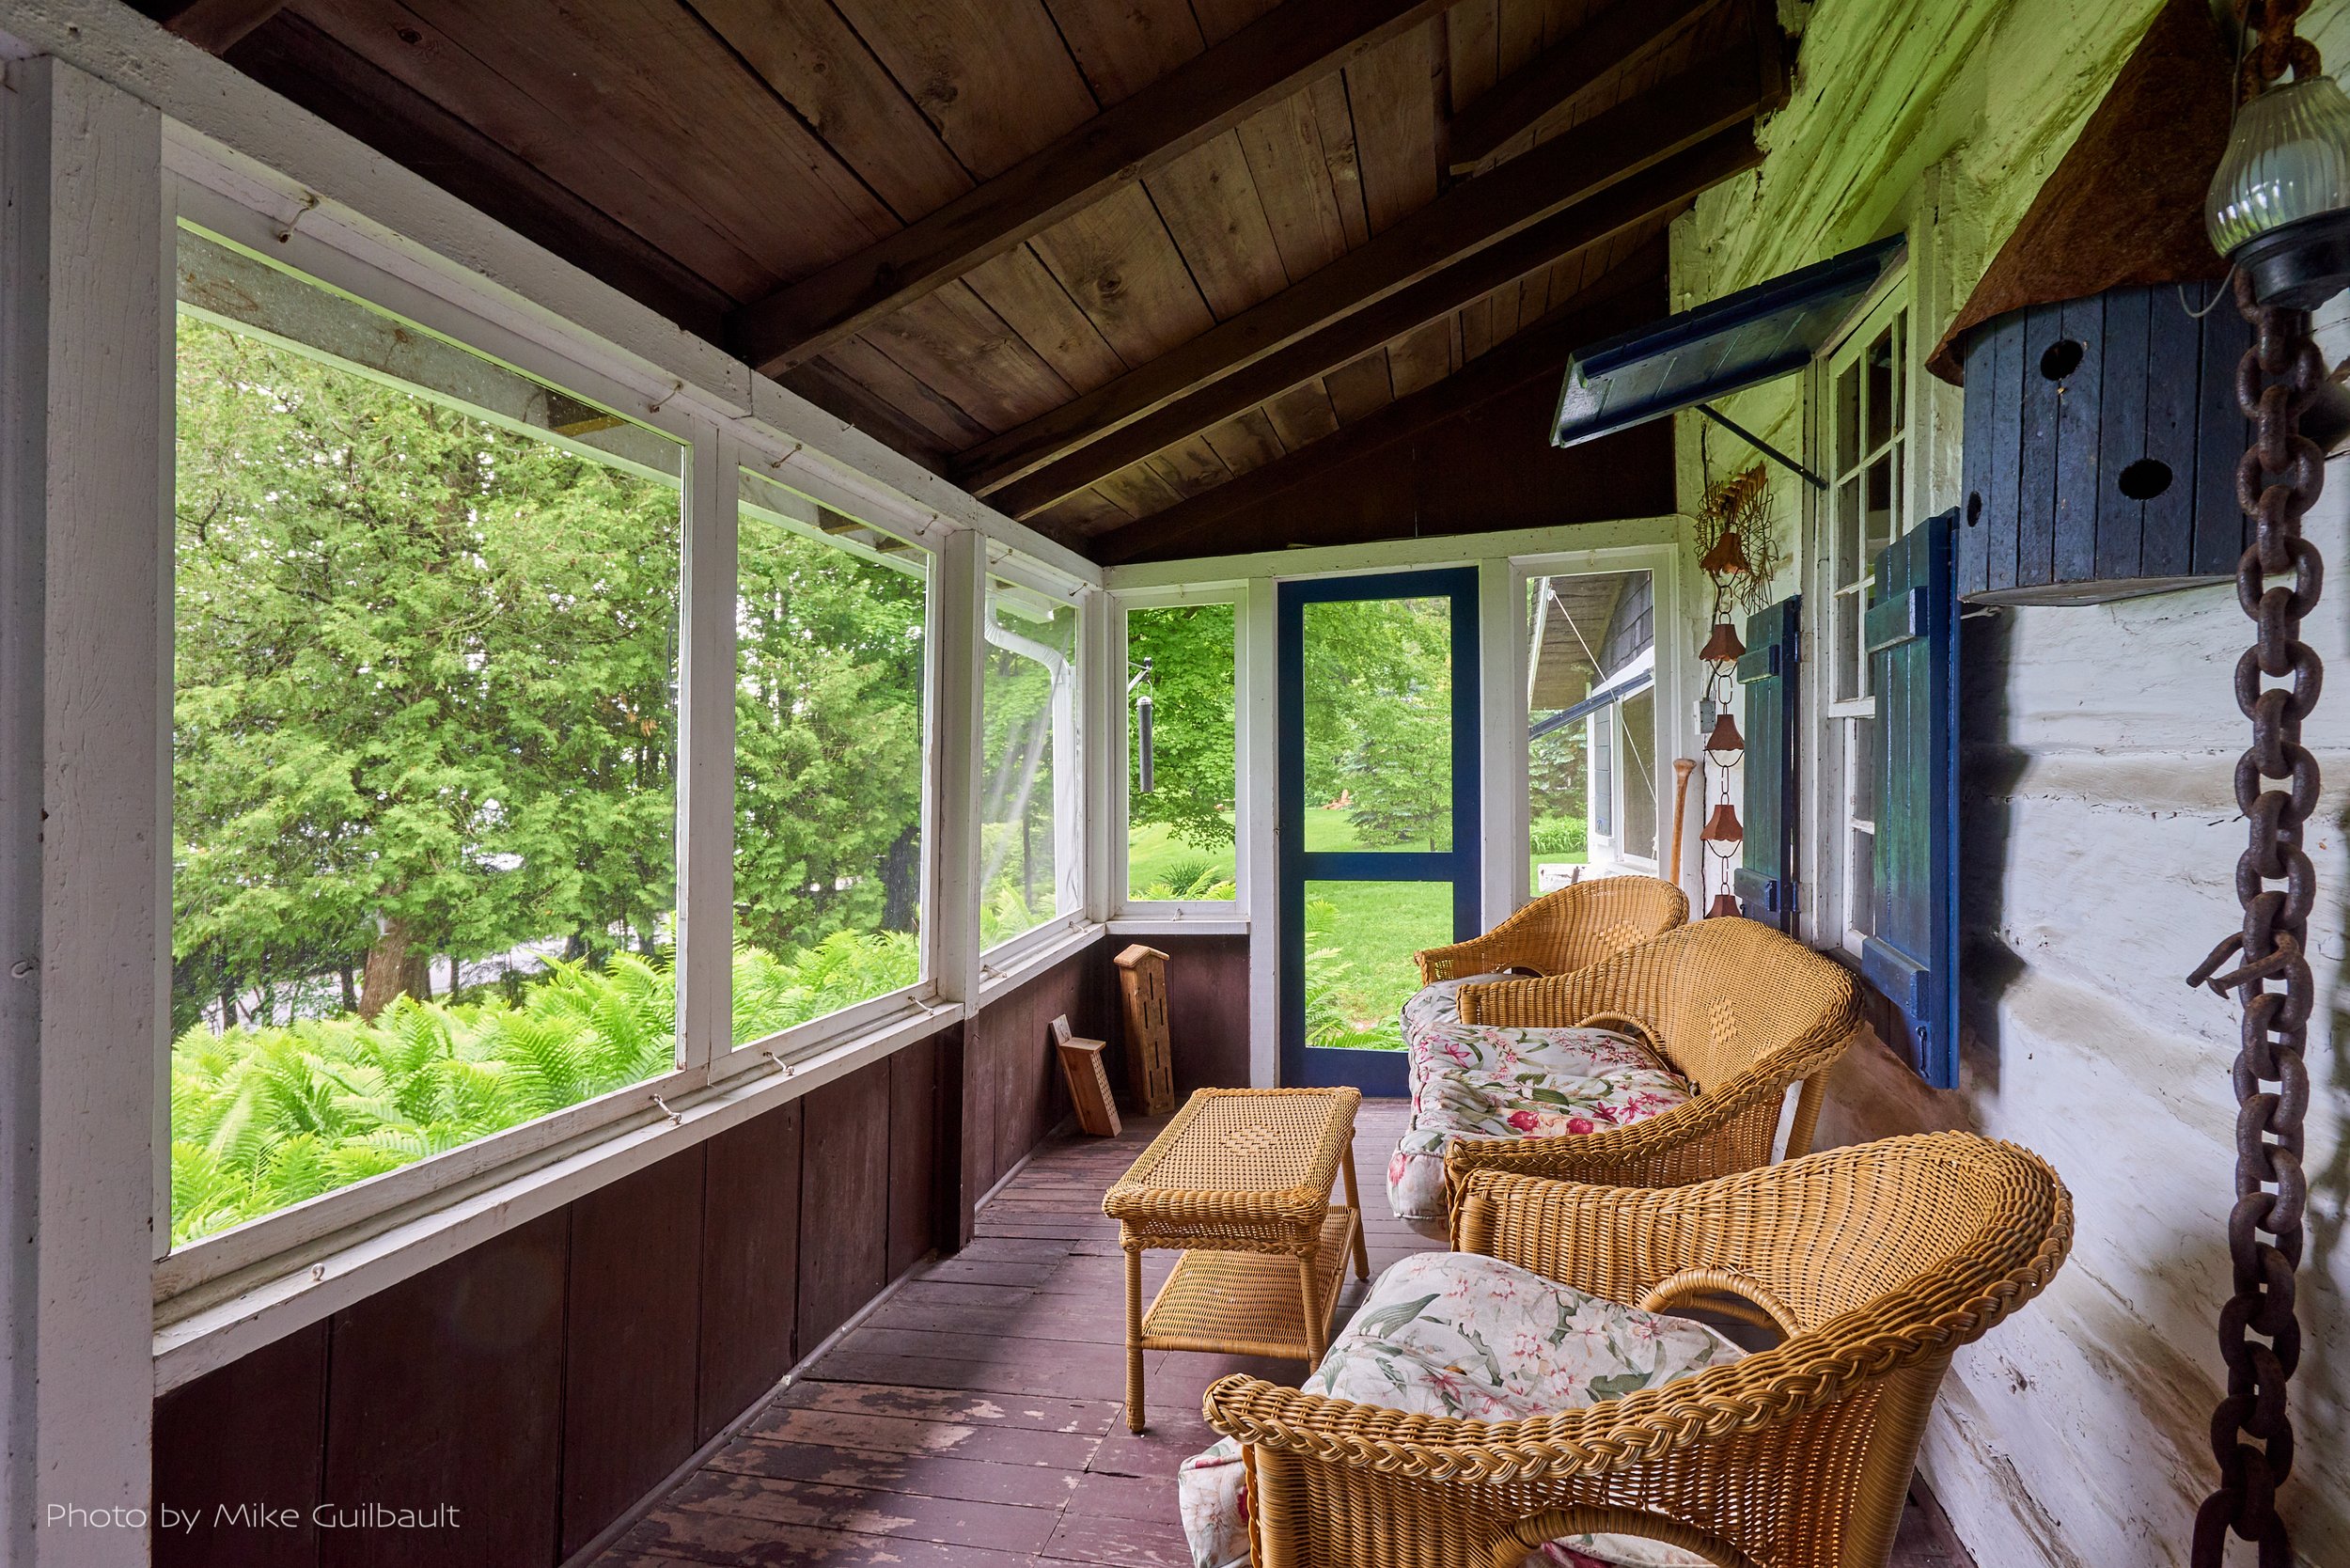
1479, 955
1671, 1149
1554, 1001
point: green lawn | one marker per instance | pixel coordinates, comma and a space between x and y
1360, 936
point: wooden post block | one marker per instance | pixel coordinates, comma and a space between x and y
1150, 1064
1088, 1080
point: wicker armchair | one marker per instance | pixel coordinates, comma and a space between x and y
1563, 932
1876, 1262
1732, 1006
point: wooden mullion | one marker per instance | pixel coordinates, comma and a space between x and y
1278, 54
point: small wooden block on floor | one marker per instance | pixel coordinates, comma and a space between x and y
1088, 1080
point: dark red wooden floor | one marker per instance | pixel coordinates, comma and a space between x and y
974, 1419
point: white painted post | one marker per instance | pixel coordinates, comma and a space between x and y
1258, 800
1502, 665
705, 804
951, 907
1102, 727
83, 521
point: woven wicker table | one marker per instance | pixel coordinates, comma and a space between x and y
1241, 1182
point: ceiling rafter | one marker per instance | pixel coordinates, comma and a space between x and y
1291, 46
1623, 35
1664, 188
1716, 95
1541, 349
215, 27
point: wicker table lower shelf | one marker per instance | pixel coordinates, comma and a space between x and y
1239, 1183
1251, 1302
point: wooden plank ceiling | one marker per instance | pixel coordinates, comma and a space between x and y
1093, 259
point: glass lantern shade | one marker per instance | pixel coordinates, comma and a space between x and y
2280, 202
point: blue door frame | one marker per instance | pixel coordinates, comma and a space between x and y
1375, 1073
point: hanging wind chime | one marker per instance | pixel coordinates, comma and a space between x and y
2279, 211
1739, 501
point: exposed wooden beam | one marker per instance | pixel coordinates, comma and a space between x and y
1610, 149
216, 25
1626, 33
1541, 349
1279, 53
1664, 188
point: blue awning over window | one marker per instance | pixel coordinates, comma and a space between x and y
1723, 346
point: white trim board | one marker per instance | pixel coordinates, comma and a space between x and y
1568, 540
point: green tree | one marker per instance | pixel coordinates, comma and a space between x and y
828, 742
1378, 716
424, 682
1190, 647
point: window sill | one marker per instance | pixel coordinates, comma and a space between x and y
1179, 921
1024, 958
211, 1325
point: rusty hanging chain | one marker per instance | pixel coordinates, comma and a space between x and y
2277, 583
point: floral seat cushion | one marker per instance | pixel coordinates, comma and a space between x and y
1475, 1081
1456, 1334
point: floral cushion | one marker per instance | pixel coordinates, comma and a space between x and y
1475, 1081
1456, 1334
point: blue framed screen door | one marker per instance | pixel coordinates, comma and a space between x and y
1379, 830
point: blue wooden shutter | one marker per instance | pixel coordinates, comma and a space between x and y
1912, 953
1765, 878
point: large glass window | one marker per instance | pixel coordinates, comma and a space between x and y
1868, 448
424, 744
829, 670
1030, 817
1180, 842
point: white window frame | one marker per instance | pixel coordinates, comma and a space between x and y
1227, 916
1829, 719
226, 1294
1073, 731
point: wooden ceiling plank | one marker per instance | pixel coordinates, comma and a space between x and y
1211, 206
1477, 329
1350, 306
1023, 291
1247, 440
953, 342
216, 25
1301, 414
1596, 313
1125, 47
406, 48
1392, 91
1517, 33
1283, 145
1625, 33
995, 79
1121, 265
1220, 18
1139, 490
292, 57
848, 397
1360, 387
816, 63
641, 78
896, 388
1334, 118
1272, 57
1422, 358
1192, 467
1087, 512
1471, 50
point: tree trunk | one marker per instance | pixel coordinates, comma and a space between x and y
419, 976
901, 870
227, 1008
351, 989
386, 972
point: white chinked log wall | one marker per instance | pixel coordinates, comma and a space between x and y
2100, 833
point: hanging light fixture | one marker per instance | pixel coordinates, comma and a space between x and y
2280, 201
